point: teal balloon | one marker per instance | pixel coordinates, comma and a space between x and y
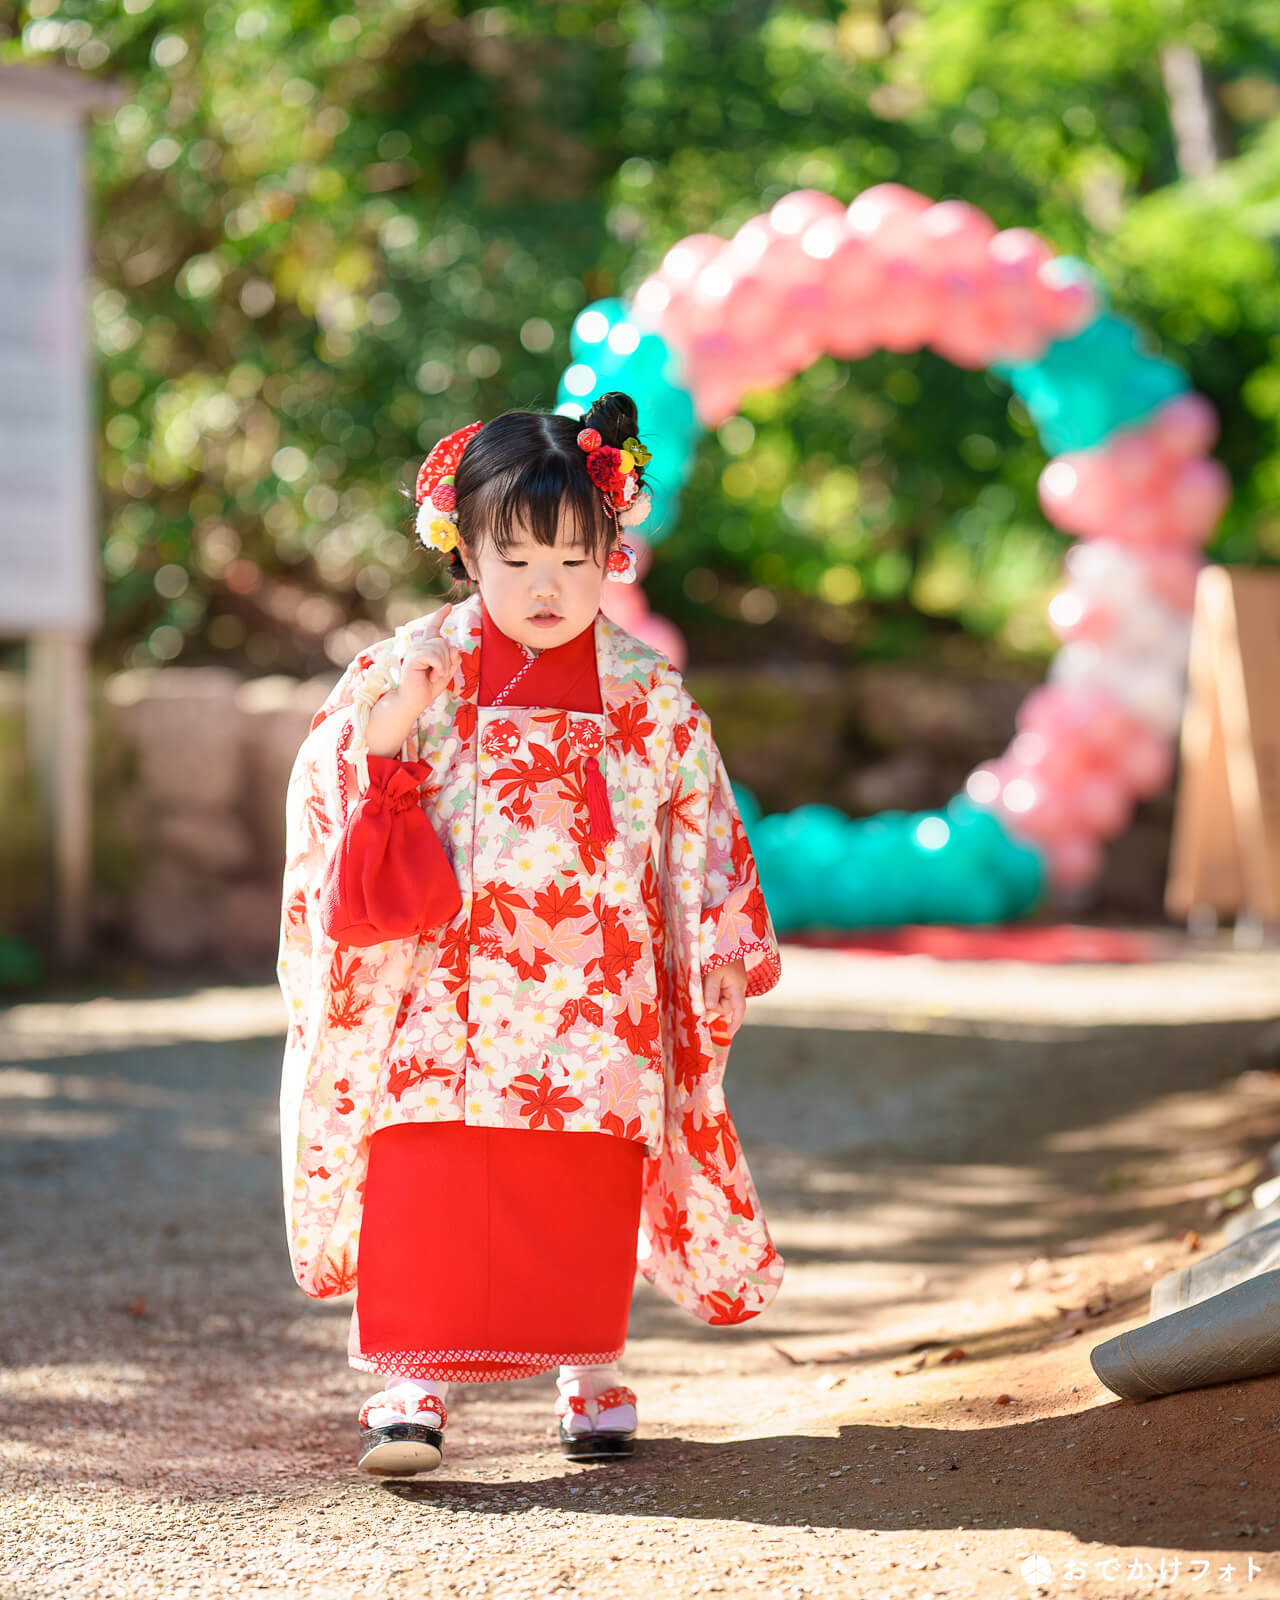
866, 888
979, 829
651, 366
612, 310
1024, 872
581, 399
747, 804
1019, 866
1083, 388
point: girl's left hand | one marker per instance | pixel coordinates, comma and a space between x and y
724, 991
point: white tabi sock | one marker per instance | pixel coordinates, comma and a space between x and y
401, 1396
587, 1382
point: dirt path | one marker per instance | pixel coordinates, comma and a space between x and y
985, 1160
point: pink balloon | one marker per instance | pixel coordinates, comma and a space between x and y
885, 222
911, 307
1055, 764
625, 603
1142, 517
965, 334
1076, 491
791, 215
687, 257
1013, 257
1017, 255
1145, 762
1102, 804
663, 635
893, 197
1198, 496
956, 236
984, 783
1034, 809
801, 330
1135, 459
1016, 335
712, 369
1075, 860
783, 264
1185, 426
671, 311
1172, 574
849, 269
650, 301
1076, 615
1065, 716
850, 336
749, 243
1105, 725
1065, 300
715, 401
1046, 710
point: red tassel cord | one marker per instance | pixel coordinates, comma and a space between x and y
598, 801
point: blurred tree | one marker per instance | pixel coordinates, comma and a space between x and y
323, 239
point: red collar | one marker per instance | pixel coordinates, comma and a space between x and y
562, 675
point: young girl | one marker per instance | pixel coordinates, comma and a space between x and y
507, 1114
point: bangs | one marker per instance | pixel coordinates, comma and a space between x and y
531, 502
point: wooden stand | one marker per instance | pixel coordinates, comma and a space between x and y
1225, 855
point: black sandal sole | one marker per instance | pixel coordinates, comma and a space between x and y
605, 1445
401, 1449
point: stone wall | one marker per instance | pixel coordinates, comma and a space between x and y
191, 765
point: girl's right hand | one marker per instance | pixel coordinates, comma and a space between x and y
428, 664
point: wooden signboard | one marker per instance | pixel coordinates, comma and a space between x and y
51, 591
1225, 854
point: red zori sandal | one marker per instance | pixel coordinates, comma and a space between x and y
396, 1436
591, 1430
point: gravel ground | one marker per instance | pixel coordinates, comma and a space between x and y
991, 1160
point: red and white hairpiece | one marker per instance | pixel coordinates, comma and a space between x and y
434, 492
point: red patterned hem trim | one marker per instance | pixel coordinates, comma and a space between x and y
343, 742
460, 1366
760, 978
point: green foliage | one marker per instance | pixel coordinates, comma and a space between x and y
323, 239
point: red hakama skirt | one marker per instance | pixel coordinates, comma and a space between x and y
494, 1253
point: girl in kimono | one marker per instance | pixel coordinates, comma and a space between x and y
489, 1126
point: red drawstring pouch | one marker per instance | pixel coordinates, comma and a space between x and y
390, 877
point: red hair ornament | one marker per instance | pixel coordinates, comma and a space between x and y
435, 494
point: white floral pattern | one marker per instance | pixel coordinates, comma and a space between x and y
567, 991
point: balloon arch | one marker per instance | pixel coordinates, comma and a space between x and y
1130, 476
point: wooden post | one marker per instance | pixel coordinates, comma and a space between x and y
51, 592
1225, 851
59, 736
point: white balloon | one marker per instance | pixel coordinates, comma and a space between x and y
1079, 664
1150, 626
1102, 567
1153, 694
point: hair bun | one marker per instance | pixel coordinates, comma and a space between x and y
614, 417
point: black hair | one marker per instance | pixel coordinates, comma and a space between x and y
524, 466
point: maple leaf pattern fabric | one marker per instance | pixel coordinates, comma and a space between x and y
566, 993
704, 1241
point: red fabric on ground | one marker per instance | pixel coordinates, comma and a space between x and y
490, 1253
1048, 945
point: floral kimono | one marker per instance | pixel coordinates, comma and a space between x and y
566, 993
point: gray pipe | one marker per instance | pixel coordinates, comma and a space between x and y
1230, 1335
1248, 1256
1250, 1218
